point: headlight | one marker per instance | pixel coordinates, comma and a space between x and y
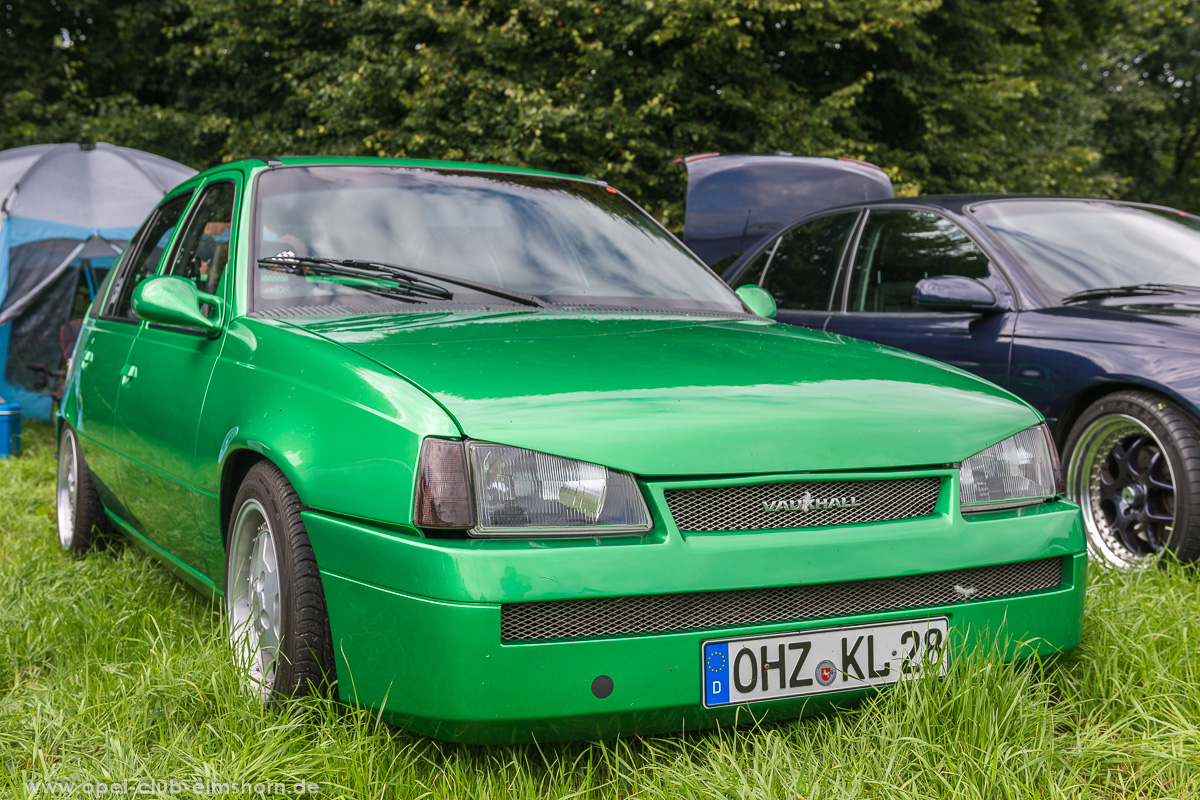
1022, 469
496, 490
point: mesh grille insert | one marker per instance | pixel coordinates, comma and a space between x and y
806, 504
662, 613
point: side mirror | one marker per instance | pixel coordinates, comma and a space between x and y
174, 300
953, 293
757, 299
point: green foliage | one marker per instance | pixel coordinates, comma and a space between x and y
948, 95
111, 668
1150, 82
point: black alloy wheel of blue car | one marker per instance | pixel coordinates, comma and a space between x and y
1133, 465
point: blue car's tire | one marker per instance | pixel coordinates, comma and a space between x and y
1133, 465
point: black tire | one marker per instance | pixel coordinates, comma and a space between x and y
303, 661
1133, 464
77, 504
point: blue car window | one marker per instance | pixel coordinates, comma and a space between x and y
800, 269
898, 248
1069, 246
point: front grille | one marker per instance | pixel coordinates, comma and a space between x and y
803, 504
662, 613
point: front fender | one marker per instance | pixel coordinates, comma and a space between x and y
345, 433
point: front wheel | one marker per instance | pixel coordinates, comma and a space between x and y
1133, 465
279, 628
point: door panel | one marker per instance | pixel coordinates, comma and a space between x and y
164, 384
102, 351
161, 400
974, 342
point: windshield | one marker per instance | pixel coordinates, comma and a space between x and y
563, 241
1070, 246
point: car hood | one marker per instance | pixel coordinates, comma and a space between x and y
672, 395
1170, 321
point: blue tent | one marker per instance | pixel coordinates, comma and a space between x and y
67, 212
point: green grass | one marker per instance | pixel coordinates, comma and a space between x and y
112, 669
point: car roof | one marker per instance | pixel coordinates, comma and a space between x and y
959, 203
258, 162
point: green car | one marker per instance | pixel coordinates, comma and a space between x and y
490, 451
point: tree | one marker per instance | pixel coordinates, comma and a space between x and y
1150, 82
948, 95
951, 96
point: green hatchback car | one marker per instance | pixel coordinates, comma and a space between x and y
490, 451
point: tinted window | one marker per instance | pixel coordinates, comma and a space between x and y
566, 241
1070, 246
203, 248
145, 253
801, 269
899, 248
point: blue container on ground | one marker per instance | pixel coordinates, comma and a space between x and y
10, 429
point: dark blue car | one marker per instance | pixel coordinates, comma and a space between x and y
1087, 309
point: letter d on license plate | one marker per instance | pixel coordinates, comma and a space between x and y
821, 661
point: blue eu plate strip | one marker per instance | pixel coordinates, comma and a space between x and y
716, 673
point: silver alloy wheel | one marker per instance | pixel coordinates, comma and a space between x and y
67, 490
1120, 475
252, 597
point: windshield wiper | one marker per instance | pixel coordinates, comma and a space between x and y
409, 278
1128, 291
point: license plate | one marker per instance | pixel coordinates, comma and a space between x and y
821, 661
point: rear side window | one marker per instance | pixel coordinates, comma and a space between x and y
144, 255
801, 267
899, 248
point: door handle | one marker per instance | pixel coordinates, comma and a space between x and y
128, 373
85, 359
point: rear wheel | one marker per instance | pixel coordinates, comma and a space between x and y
1133, 465
77, 504
279, 628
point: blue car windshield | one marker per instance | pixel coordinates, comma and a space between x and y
566, 242
1071, 246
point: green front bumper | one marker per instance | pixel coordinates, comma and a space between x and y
416, 623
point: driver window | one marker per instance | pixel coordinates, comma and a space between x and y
203, 250
899, 248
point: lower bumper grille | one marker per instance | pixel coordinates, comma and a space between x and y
663, 613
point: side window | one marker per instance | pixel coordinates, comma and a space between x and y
899, 248
145, 252
203, 250
801, 271
103, 294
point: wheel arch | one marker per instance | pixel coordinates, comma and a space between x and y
1074, 407
238, 463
